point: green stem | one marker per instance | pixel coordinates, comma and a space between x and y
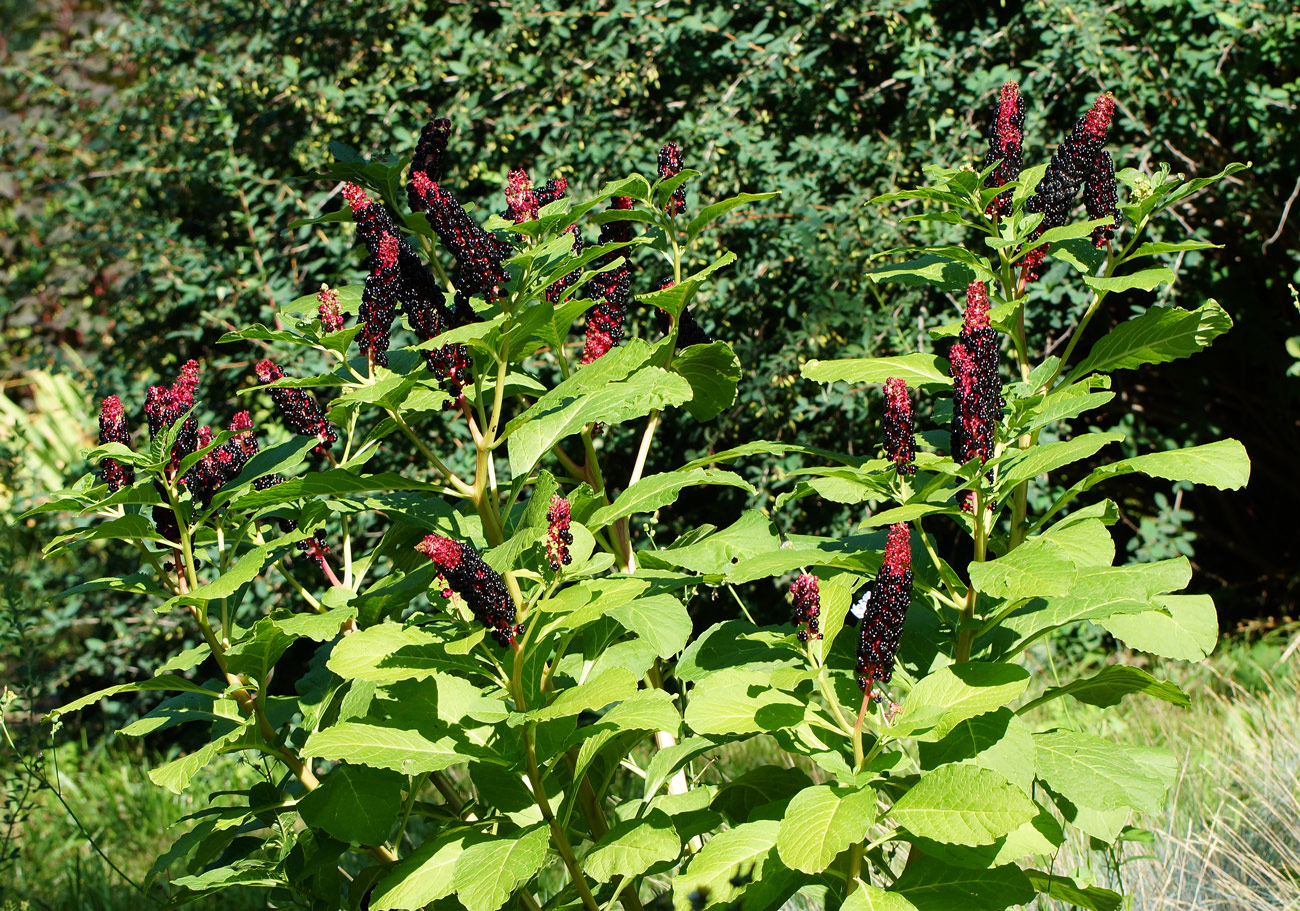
966, 636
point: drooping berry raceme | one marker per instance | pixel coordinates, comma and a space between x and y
479, 584
379, 301
1006, 145
113, 429
521, 199
478, 254
331, 316
670, 165
1101, 198
900, 427
977, 402
613, 287
883, 610
223, 464
806, 599
298, 408
1075, 161
163, 407
558, 535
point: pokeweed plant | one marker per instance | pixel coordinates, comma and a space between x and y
505, 699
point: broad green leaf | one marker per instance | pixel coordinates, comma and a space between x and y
740, 701
389, 651
175, 776
1223, 464
661, 620
316, 627
1085, 539
613, 685
647, 710
165, 682
1099, 774
963, 805
658, 490
488, 872
633, 846
1047, 457
710, 214
738, 797
963, 691
822, 821
1147, 280
919, 371
1112, 684
354, 804
255, 655
130, 527
1037, 568
423, 877
408, 752
931, 885
994, 740
867, 897
1151, 249
1185, 627
664, 763
728, 854
1067, 892
907, 513
943, 272
713, 371
1160, 334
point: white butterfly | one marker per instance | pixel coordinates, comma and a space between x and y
859, 608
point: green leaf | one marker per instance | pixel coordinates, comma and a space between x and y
649, 494
313, 626
613, 685
919, 371
633, 846
667, 761
931, 885
963, 805
660, 620
408, 752
1099, 774
488, 872
1223, 464
331, 483
711, 213
425, 876
1147, 280
867, 897
165, 682
713, 371
963, 691
1047, 457
1037, 568
822, 821
354, 804
1151, 249
727, 854
1112, 684
1185, 627
176, 775
389, 651
739, 701
1064, 890
994, 740
1160, 334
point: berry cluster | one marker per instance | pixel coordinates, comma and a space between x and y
479, 584
379, 302
1080, 160
113, 429
429, 151
298, 409
807, 601
478, 254
1006, 140
689, 331
882, 610
164, 406
900, 428
558, 536
521, 199
331, 315
221, 465
613, 287
977, 402
670, 165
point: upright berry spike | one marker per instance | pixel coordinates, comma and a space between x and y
521, 200
551, 191
884, 610
429, 153
379, 301
670, 165
555, 293
163, 407
113, 429
1006, 140
1075, 161
899, 426
558, 536
1101, 198
806, 599
298, 409
479, 584
331, 316
978, 404
613, 287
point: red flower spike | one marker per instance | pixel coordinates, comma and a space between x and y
977, 399
520, 197
558, 535
478, 254
479, 584
899, 426
883, 610
670, 165
356, 197
1006, 137
977, 307
605, 322
113, 429
807, 601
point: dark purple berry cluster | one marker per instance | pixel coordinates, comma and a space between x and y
977, 402
883, 609
479, 584
164, 406
613, 287
1101, 198
670, 165
558, 536
298, 408
806, 599
223, 464
1006, 145
478, 254
113, 429
900, 427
